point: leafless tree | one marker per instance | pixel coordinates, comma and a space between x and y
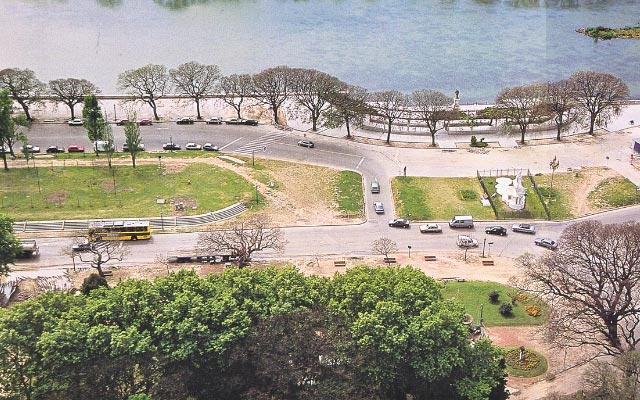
523, 105
598, 95
71, 91
384, 246
146, 84
391, 105
311, 89
592, 285
560, 104
97, 254
273, 87
347, 106
196, 81
433, 108
244, 239
616, 379
23, 86
235, 90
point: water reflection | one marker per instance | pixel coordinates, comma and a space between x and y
182, 4
110, 3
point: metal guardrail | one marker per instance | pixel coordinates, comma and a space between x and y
156, 223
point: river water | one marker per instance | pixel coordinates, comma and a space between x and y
476, 46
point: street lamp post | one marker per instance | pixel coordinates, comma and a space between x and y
257, 200
171, 143
481, 309
161, 221
253, 157
409, 247
484, 243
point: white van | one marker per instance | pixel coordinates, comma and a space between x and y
102, 146
461, 221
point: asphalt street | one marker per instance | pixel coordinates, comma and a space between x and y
373, 162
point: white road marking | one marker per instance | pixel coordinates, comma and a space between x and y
360, 163
229, 144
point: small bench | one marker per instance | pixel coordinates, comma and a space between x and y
390, 260
339, 263
452, 279
429, 258
487, 263
107, 273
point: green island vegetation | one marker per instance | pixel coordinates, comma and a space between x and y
248, 333
349, 195
531, 364
615, 192
438, 198
474, 296
603, 33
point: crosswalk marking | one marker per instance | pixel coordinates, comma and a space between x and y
260, 143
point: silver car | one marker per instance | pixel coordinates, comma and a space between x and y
524, 228
378, 207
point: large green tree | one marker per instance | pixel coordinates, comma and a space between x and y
10, 246
92, 118
132, 138
71, 91
196, 81
272, 87
23, 86
347, 106
146, 84
7, 125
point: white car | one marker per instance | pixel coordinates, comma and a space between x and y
430, 228
75, 122
210, 147
214, 121
524, 228
465, 241
378, 207
192, 146
32, 149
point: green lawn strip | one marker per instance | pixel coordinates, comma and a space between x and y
87, 192
512, 353
89, 155
349, 194
438, 198
615, 192
472, 294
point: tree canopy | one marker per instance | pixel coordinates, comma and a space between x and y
71, 91
146, 84
196, 81
10, 246
23, 86
379, 333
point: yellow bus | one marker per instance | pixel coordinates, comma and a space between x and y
119, 230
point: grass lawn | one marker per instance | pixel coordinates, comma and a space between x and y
73, 192
474, 294
615, 192
533, 364
349, 194
339, 190
438, 198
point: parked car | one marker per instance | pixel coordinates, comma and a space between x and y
465, 241
32, 149
185, 121
210, 147
75, 122
524, 228
399, 223
125, 147
83, 246
546, 243
306, 143
430, 228
233, 121
495, 230
75, 148
55, 149
251, 122
192, 146
145, 121
214, 121
122, 122
171, 146
378, 207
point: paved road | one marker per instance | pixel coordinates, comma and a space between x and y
379, 162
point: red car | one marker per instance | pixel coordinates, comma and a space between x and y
145, 121
75, 148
